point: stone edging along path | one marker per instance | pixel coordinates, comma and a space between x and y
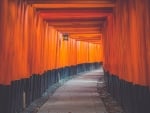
111, 105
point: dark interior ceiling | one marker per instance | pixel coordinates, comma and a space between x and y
82, 19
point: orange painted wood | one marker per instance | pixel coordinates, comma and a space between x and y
126, 42
70, 5
69, 1
76, 15
30, 46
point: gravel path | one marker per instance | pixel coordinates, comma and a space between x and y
78, 95
111, 105
86, 93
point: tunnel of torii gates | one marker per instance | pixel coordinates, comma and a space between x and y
44, 41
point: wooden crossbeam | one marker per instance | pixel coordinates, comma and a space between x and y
74, 5
69, 1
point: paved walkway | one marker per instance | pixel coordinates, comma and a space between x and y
78, 95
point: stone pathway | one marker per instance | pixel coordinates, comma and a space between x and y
78, 95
